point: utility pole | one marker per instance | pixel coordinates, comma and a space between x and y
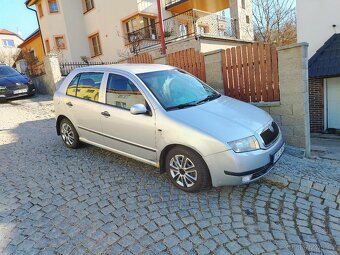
160, 20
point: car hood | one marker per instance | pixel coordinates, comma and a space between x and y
225, 118
13, 80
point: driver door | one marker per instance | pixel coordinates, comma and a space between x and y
123, 131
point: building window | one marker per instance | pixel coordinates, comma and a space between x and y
60, 42
53, 6
248, 19
40, 10
8, 43
96, 49
146, 24
48, 46
243, 4
88, 5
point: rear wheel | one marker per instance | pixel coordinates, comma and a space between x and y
69, 134
187, 170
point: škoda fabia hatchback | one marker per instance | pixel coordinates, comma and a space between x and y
167, 118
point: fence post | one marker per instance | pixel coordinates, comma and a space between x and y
214, 74
53, 74
294, 109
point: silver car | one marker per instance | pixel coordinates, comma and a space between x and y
167, 118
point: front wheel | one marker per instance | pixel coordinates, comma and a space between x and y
187, 170
69, 134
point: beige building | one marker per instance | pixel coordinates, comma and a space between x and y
9, 43
102, 30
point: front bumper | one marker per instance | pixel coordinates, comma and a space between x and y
230, 168
11, 93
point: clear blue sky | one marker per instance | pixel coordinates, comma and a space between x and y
15, 17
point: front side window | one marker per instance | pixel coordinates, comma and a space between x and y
86, 86
53, 6
8, 43
122, 93
176, 89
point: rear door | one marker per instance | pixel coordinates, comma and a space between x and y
82, 104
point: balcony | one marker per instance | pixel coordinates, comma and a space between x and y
212, 6
192, 23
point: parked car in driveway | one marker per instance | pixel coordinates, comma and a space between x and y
13, 84
165, 117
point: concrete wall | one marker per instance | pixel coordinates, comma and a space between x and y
47, 83
292, 114
315, 20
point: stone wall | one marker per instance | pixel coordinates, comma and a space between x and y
292, 113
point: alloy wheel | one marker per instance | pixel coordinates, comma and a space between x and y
183, 171
67, 134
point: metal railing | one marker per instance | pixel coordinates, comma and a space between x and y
67, 67
181, 26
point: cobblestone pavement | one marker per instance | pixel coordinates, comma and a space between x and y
89, 201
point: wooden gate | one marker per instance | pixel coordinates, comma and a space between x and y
250, 73
144, 58
190, 61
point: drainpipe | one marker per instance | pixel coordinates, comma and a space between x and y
36, 14
160, 19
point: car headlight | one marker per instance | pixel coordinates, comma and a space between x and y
244, 145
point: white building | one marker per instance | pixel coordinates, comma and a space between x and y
101, 30
317, 21
9, 43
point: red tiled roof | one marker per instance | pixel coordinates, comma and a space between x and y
6, 32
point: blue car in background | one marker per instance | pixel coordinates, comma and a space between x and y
14, 84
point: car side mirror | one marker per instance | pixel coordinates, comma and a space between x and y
138, 109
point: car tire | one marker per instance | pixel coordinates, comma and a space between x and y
69, 134
187, 170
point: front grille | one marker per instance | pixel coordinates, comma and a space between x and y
270, 134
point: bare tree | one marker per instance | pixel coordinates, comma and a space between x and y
133, 41
8, 56
274, 21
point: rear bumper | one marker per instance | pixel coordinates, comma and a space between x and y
230, 168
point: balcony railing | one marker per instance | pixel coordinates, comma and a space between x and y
181, 26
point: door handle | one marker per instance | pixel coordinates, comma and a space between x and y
69, 104
106, 114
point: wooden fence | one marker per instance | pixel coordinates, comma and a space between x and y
250, 73
190, 61
144, 58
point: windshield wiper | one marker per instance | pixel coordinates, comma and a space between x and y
181, 106
208, 98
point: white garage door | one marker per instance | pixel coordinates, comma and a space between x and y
333, 102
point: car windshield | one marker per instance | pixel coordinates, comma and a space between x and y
175, 89
6, 71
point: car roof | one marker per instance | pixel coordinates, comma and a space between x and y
131, 68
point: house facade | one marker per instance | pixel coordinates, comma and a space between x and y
101, 30
318, 24
32, 52
9, 43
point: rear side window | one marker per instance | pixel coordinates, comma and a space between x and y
86, 86
122, 93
